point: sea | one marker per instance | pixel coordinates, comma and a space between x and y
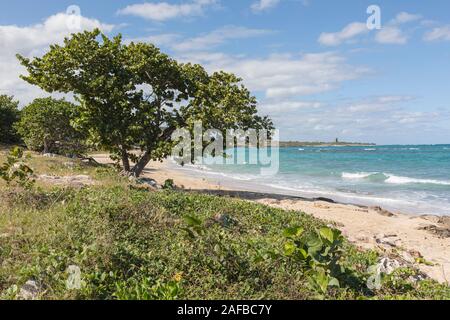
405, 178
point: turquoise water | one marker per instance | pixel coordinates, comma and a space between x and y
414, 179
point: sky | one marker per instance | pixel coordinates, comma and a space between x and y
315, 66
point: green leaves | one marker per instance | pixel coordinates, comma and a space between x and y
320, 280
331, 236
143, 289
293, 232
9, 114
192, 221
169, 184
319, 253
46, 125
135, 95
194, 226
16, 170
289, 248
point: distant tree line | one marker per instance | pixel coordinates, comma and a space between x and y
45, 125
9, 115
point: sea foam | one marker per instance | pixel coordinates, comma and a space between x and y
392, 179
406, 180
359, 175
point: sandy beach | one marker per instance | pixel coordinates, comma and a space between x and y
411, 237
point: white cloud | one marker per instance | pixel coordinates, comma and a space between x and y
405, 17
394, 99
218, 37
438, 34
165, 39
378, 104
263, 5
351, 31
283, 76
287, 106
391, 35
30, 41
383, 119
162, 11
27, 39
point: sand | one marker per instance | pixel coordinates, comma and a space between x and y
408, 236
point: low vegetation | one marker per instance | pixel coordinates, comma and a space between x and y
130, 242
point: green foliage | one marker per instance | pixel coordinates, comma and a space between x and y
9, 114
15, 170
144, 289
169, 184
46, 125
136, 244
134, 95
320, 252
194, 226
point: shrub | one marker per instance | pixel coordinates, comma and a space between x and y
9, 114
46, 126
15, 170
169, 184
135, 244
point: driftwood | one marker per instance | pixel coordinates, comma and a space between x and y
91, 160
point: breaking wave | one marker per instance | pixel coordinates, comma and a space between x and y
390, 178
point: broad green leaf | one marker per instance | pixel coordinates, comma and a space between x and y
328, 234
293, 232
333, 282
314, 244
192, 221
289, 248
303, 253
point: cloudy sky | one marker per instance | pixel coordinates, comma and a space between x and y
314, 65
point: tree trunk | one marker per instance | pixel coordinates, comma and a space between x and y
125, 161
45, 146
142, 163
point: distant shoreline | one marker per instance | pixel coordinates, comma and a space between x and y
325, 144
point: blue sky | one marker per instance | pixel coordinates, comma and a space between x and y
314, 66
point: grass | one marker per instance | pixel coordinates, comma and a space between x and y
132, 243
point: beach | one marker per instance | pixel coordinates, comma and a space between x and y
413, 237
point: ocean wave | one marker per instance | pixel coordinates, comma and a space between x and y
390, 178
197, 167
370, 149
359, 175
234, 176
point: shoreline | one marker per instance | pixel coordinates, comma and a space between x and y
415, 238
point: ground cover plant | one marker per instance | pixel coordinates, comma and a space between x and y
129, 242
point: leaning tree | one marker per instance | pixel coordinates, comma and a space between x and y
134, 96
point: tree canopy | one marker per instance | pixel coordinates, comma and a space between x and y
46, 125
133, 95
9, 114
